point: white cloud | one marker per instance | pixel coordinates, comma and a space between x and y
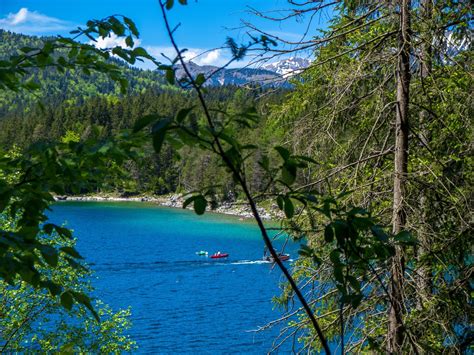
20, 17
32, 22
212, 57
216, 57
112, 41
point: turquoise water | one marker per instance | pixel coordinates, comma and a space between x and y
144, 257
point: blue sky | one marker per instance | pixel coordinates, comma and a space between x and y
205, 24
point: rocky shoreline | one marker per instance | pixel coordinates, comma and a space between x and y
238, 209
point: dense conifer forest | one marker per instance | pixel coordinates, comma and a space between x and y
85, 102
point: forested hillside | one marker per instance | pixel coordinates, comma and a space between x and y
75, 104
72, 86
104, 116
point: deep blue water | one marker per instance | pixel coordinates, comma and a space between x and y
144, 257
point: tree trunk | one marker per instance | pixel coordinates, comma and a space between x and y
396, 332
423, 272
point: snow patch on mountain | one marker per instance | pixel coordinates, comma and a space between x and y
288, 67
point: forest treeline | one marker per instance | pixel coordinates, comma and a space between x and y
74, 104
73, 86
102, 117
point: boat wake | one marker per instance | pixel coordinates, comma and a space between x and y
172, 265
249, 262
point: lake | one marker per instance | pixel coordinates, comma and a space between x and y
144, 256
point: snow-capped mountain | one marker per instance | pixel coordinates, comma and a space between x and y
232, 76
271, 74
288, 67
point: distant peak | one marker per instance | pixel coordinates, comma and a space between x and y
288, 66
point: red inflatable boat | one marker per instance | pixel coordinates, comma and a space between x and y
219, 255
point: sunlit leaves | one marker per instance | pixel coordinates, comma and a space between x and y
27, 182
351, 240
291, 164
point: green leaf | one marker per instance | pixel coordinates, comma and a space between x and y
189, 200
159, 133
338, 273
405, 237
328, 233
334, 256
63, 232
67, 349
284, 153
379, 233
129, 41
305, 251
67, 300
362, 223
27, 49
343, 194
49, 254
307, 159
288, 173
169, 4
356, 300
145, 121
72, 252
280, 202
355, 284
183, 2
53, 287
141, 52
32, 85
341, 231
85, 300
200, 79
48, 228
104, 149
131, 25
265, 163
170, 77
158, 139
200, 204
289, 208
181, 115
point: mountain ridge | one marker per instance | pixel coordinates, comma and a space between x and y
271, 74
